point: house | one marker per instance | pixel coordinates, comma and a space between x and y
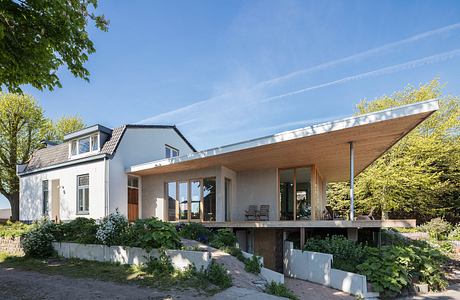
146, 171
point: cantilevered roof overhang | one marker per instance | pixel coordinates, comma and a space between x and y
325, 145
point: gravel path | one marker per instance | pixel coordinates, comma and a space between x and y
16, 284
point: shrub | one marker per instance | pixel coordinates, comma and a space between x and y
152, 233
113, 229
437, 228
13, 229
218, 275
347, 254
252, 265
37, 242
161, 265
236, 252
223, 238
80, 230
280, 290
195, 231
454, 235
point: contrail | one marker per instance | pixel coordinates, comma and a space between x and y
319, 67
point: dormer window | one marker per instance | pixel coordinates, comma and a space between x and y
84, 145
171, 151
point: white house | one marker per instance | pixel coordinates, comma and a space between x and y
266, 189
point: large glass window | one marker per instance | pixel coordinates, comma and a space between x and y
173, 207
295, 193
287, 194
83, 193
209, 199
45, 190
195, 193
228, 189
183, 201
83, 145
303, 195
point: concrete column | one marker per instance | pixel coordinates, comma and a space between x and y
352, 181
302, 238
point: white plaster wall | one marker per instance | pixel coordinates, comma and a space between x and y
153, 191
31, 191
255, 188
138, 145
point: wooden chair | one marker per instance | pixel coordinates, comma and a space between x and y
332, 214
264, 212
368, 217
251, 213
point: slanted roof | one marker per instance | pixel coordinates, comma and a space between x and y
326, 145
87, 131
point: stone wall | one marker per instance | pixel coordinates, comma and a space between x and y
11, 245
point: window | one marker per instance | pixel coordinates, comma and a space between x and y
94, 142
227, 195
183, 200
173, 208
133, 181
73, 150
171, 151
83, 194
84, 145
195, 193
209, 199
295, 194
45, 198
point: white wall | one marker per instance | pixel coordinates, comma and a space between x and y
31, 191
138, 145
256, 188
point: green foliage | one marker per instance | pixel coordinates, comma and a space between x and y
153, 233
437, 228
347, 254
113, 229
80, 230
252, 265
223, 238
38, 37
37, 242
454, 235
13, 229
418, 177
280, 290
218, 275
63, 126
195, 231
161, 265
236, 252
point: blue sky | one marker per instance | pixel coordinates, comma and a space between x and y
226, 71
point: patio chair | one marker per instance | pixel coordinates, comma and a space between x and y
331, 214
251, 213
368, 217
264, 212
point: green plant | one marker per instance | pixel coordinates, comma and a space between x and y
223, 238
236, 252
80, 230
37, 242
218, 275
347, 254
113, 229
195, 231
454, 235
437, 228
13, 229
161, 265
279, 289
252, 265
153, 233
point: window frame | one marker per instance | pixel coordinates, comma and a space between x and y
93, 139
45, 202
85, 210
172, 150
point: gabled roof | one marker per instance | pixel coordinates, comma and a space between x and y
56, 156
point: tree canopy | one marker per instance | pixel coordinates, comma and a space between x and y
63, 126
420, 176
37, 37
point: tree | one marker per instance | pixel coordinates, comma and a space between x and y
420, 176
21, 130
63, 126
37, 37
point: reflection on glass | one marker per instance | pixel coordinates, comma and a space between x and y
195, 192
209, 199
303, 193
183, 201
287, 194
83, 145
172, 201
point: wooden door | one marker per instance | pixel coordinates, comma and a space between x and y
133, 204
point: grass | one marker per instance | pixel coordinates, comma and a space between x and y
280, 290
139, 275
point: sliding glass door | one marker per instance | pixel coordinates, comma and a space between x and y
295, 193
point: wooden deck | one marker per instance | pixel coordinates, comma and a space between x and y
314, 224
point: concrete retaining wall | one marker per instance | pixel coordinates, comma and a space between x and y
317, 267
180, 259
11, 245
270, 275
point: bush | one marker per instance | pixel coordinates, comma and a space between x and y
37, 242
152, 233
223, 238
219, 276
80, 230
13, 229
112, 230
454, 235
195, 231
236, 252
437, 228
252, 265
280, 290
347, 254
160, 266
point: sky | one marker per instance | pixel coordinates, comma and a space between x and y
227, 71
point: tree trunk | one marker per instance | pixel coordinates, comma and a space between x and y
14, 202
